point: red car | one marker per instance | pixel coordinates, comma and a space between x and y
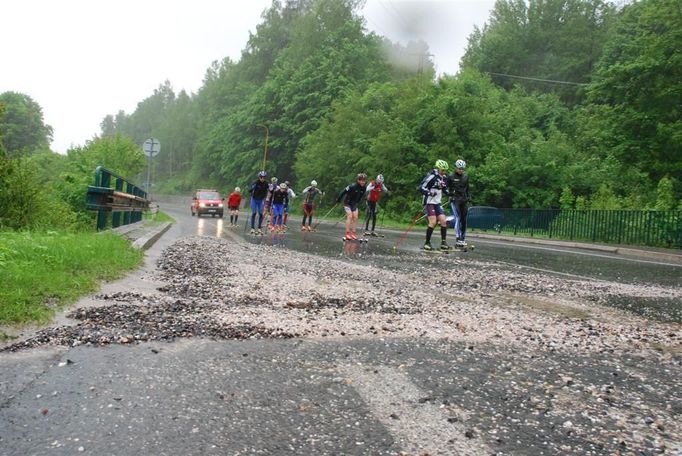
207, 202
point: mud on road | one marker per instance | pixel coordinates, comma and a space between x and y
536, 359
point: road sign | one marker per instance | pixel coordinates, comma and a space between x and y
151, 147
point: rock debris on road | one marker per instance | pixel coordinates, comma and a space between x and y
546, 344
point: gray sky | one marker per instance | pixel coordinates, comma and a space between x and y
83, 59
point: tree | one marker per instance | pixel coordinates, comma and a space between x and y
638, 88
665, 195
22, 128
543, 39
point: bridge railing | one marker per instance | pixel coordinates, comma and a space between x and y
116, 195
651, 228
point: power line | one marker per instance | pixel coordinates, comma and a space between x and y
538, 79
391, 13
397, 12
377, 27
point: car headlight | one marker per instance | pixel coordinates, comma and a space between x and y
202, 205
220, 204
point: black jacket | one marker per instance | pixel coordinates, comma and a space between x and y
259, 189
353, 193
458, 187
280, 196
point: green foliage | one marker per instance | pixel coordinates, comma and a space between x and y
638, 83
334, 100
26, 202
543, 39
119, 154
665, 195
566, 200
605, 198
42, 271
22, 129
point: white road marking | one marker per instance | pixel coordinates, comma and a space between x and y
418, 425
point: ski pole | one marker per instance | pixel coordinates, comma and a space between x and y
325, 216
420, 215
339, 221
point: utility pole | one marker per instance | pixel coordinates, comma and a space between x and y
265, 152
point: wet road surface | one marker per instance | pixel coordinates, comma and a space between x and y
560, 261
512, 377
381, 397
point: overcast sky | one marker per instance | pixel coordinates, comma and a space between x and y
83, 59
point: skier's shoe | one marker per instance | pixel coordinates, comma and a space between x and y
354, 236
372, 233
460, 243
253, 231
444, 246
427, 246
260, 232
368, 233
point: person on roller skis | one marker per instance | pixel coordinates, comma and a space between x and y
351, 196
292, 195
374, 191
233, 202
309, 194
458, 186
267, 205
258, 191
280, 198
433, 186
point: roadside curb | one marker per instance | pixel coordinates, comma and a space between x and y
573, 245
671, 257
148, 239
626, 251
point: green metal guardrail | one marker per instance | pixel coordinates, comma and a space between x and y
652, 228
104, 199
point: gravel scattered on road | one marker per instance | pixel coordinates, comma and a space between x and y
534, 344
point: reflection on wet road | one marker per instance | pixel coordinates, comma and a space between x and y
574, 263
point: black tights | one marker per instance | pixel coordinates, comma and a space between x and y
371, 214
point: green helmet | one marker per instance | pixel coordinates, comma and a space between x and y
442, 164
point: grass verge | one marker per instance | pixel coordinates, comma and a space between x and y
159, 217
42, 272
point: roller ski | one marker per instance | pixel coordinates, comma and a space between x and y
372, 234
444, 248
463, 246
352, 237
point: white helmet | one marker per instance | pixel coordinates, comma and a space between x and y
237, 189
461, 164
380, 179
313, 183
283, 186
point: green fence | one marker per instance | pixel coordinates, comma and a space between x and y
116, 195
652, 228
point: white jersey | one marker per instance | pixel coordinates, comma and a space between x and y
432, 187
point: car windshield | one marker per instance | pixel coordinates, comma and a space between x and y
208, 195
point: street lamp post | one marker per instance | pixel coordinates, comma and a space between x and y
265, 152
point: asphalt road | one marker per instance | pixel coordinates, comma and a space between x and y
560, 261
354, 396
381, 397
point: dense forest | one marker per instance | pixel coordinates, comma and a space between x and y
557, 103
